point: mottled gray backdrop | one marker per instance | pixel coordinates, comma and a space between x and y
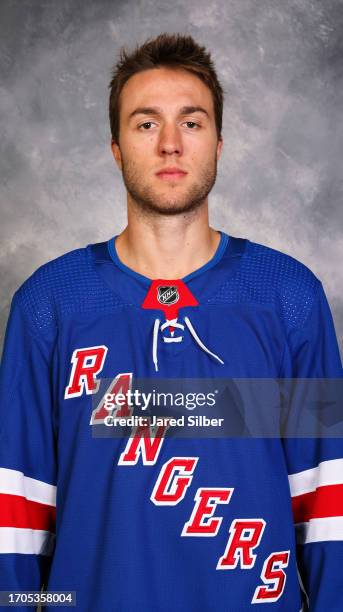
280, 180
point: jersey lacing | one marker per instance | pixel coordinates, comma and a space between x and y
174, 323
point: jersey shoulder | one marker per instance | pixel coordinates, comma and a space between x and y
63, 286
268, 276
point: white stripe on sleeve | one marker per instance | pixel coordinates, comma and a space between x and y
14, 482
326, 473
26, 541
320, 530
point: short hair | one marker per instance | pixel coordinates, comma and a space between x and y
167, 50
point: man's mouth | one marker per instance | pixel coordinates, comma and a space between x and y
169, 174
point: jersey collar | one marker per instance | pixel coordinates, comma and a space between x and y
204, 282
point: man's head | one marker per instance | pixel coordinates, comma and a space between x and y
166, 107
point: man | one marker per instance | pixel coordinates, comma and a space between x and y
151, 522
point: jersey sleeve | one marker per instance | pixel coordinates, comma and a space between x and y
27, 455
315, 466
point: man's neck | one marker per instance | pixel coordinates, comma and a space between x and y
169, 248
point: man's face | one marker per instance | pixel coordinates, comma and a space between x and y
168, 145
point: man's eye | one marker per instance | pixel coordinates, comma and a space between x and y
191, 124
146, 125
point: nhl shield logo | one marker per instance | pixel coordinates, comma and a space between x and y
167, 295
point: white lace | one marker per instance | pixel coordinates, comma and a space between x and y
174, 323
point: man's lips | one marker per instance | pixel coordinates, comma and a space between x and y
171, 173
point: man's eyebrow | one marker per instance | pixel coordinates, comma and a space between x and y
154, 110
189, 110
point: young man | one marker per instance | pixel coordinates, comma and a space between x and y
151, 522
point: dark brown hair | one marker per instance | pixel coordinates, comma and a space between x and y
169, 50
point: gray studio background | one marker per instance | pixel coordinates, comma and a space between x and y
280, 179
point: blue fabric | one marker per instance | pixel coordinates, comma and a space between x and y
266, 316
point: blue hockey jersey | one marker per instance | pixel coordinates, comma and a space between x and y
152, 523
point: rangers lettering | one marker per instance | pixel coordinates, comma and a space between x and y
206, 502
169, 489
120, 384
245, 536
145, 441
272, 574
87, 363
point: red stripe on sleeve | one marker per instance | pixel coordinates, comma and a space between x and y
323, 502
17, 511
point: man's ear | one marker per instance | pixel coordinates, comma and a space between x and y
116, 153
219, 147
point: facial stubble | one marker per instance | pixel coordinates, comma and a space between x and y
149, 201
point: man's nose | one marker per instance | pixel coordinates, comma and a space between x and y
170, 141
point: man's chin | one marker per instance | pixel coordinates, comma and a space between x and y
170, 202
168, 208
